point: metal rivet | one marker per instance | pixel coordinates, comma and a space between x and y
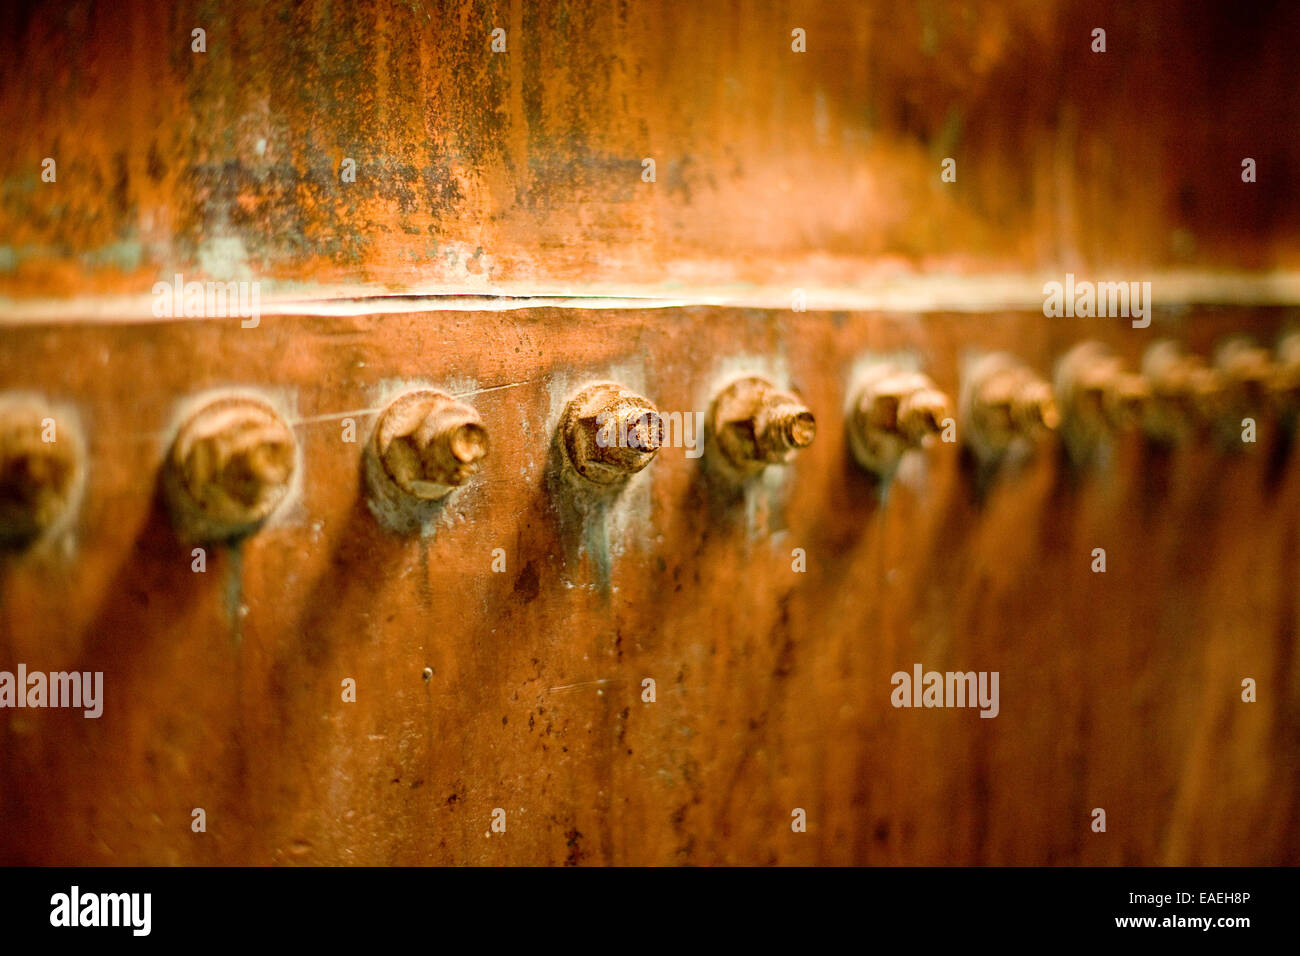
893, 410
1252, 382
609, 433
1005, 403
1097, 395
755, 424
40, 468
429, 443
1185, 393
1286, 383
229, 468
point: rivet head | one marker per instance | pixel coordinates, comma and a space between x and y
609, 433
1286, 383
894, 410
430, 444
1253, 382
40, 467
1098, 394
754, 424
1006, 403
229, 468
1186, 395
1244, 363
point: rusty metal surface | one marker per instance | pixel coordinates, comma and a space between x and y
522, 170
499, 634
222, 691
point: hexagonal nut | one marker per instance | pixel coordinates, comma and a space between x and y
430, 444
1186, 394
1005, 402
894, 410
609, 433
1097, 393
229, 467
754, 424
1286, 383
1245, 365
41, 462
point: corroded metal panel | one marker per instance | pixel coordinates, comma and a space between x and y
521, 688
465, 611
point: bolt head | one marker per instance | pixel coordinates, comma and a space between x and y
38, 478
895, 409
609, 433
1007, 406
755, 424
429, 443
229, 467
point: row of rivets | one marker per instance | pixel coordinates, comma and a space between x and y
233, 460
609, 433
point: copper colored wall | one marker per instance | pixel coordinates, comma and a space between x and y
1119, 690
520, 173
